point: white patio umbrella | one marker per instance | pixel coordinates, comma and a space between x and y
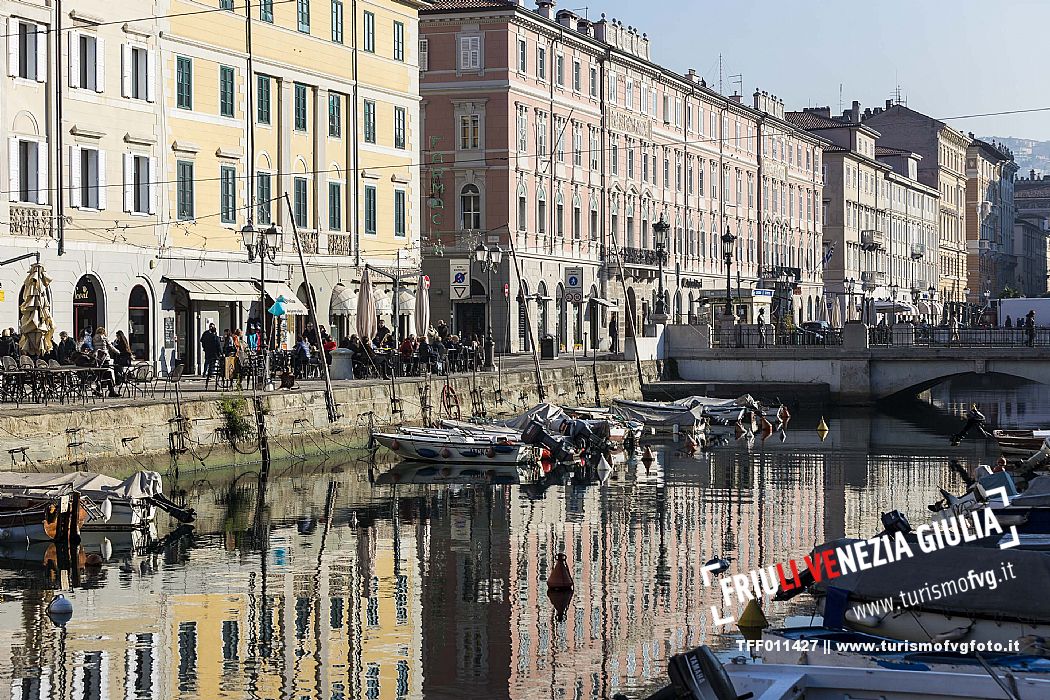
822, 308
366, 308
35, 324
422, 307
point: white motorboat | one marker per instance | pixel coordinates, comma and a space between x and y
454, 447
129, 503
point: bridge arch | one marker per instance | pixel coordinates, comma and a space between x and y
903, 378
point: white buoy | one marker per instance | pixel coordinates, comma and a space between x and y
60, 610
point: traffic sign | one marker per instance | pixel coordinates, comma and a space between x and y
574, 285
459, 279
426, 281
506, 291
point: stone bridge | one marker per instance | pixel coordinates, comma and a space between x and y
854, 372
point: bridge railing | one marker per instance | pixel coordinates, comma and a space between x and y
770, 336
946, 337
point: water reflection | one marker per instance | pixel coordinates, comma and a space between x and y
309, 581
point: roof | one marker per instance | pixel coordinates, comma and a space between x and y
446, 5
1032, 192
810, 120
890, 151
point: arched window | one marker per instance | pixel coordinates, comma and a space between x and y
138, 322
541, 212
523, 213
470, 205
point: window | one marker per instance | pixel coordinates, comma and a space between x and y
559, 70
614, 157
576, 76
594, 221
300, 107
335, 115
136, 73
399, 127
523, 63
138, 195
370, 210
577, 144
183, 83
469, 131
227, 194
559, 138
337, 21
594, 150
370, 32
594, 81
370, 121
523, 129
470, 53
559, 217
399, 41
541, 213
28, 172
266, 11
541, 62
299, 202
400, 210
90, 178
184, 190
262, 99
225, 4
424, 54
87, 58
335, 206
303, 14
612, 88
28, 57
263, 195
226, 91
700, 178
541, 134
577, 221
645, 165
522, 210
630, 159
470, 207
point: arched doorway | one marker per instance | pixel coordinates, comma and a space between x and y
632, 320
678, 306
523, 318
88, 305
341, 311
594, 318
560, 306
138, 322
542, 303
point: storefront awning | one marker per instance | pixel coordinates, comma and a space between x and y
292, 305
604, 302
406, 302
219, 290
344, 301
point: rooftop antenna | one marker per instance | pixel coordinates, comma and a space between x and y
737, 80
720, 75
840, 97
897, 96
578, 9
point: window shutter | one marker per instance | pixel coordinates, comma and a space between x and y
150, 79
100, 65
424, 54
74, 176
41, 172
129, 182
125, 70
12, 46
74, 60
152, 198
12, 168
464, 52
41, 52
103, 200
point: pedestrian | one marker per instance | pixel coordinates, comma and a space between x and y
7, 344
1009, 323
122, 347
614, 334
212, 348
1029, 328
100, 341
442, 330
67, 347
762, 327
953, 326
87, 336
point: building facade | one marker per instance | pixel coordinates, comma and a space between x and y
559, 139
943, 167
994, 254
165, 136
879, 220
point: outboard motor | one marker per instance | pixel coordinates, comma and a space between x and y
895, 521
534, 434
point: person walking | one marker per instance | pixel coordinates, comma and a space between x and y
1029, 328
212, 348
614, 334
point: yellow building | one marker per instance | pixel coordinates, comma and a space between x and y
166, 135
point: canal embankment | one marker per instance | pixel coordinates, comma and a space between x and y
202, 428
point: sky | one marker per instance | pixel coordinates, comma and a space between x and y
950, 58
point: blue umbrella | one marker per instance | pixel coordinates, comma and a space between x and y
278, 306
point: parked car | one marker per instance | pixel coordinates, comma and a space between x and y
817, 333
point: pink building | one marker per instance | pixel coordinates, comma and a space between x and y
559, 137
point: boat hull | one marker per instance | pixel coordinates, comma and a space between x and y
449, 449
1018, 442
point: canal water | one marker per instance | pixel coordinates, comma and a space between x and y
319, 583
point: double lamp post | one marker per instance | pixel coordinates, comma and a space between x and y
264, 244
488, 259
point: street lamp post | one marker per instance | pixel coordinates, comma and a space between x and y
489, 260
728, 239
264, 244
850, 285
660, 228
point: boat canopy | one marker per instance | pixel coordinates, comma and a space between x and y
142, 484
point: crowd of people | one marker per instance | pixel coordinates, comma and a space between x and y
93, 349
433, 352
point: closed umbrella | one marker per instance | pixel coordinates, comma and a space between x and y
822, 309
366, 308
422, 307
35, 324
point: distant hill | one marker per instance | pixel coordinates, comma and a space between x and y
1029, 154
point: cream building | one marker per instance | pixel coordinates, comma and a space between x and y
152, 131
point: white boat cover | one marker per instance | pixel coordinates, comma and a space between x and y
142, 484
544, 413
661, 417
1011, 599
1037, 493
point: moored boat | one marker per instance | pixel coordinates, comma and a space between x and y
1020, 441
33, 518
452, 447
123, 504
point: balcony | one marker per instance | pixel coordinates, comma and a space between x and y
872, 239
639, 256
918, 251
340, 244
872, 279
308, 240
920, 285
32, 220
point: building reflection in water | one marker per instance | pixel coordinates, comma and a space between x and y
313, 583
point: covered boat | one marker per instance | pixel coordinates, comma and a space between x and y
1020, 441
121, 504
664, 417
40, 518
457, 447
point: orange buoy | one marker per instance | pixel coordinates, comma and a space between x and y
560, 579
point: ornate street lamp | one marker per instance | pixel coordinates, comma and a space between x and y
489, 260
850, 285
660, 228
262, 244
728, 239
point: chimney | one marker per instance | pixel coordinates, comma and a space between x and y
693, 77
545, 8
855, 112
584, 27
889, 103
1031, 174
598, 28
566, 19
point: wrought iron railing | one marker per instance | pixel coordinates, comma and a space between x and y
308, 240
639, 256
906, 335
770, 336
339, 244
